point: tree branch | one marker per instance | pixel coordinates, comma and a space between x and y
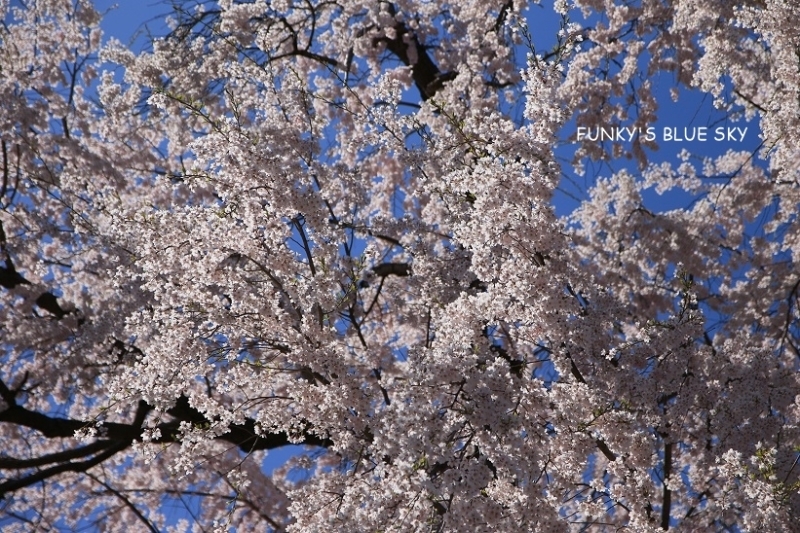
242, 435
666, 504
119, 436
19, 483
126, 501
75, 453
397, 269
427, 76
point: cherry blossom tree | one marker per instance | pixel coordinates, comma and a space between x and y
330, 225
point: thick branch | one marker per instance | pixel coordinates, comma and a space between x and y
605, 450
242, 435
666, 505
10, 278
427, 76
119, 436
108, 448
52, 427
19, 483
397, 269
67, 455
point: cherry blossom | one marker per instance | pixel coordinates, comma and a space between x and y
331, 226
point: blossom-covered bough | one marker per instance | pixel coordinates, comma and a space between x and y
330, 224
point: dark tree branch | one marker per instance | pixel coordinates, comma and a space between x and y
12, 463
242, 435
503, 15
127, 503
41, 475
4, 186
515, 366
427, 76
299, 223
397, 269
119, 436
605, 450
666, 504
375, 298
9, 277
49, 302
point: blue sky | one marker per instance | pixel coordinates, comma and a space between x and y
124, 18
130, 20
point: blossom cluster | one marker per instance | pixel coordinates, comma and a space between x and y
330, 226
